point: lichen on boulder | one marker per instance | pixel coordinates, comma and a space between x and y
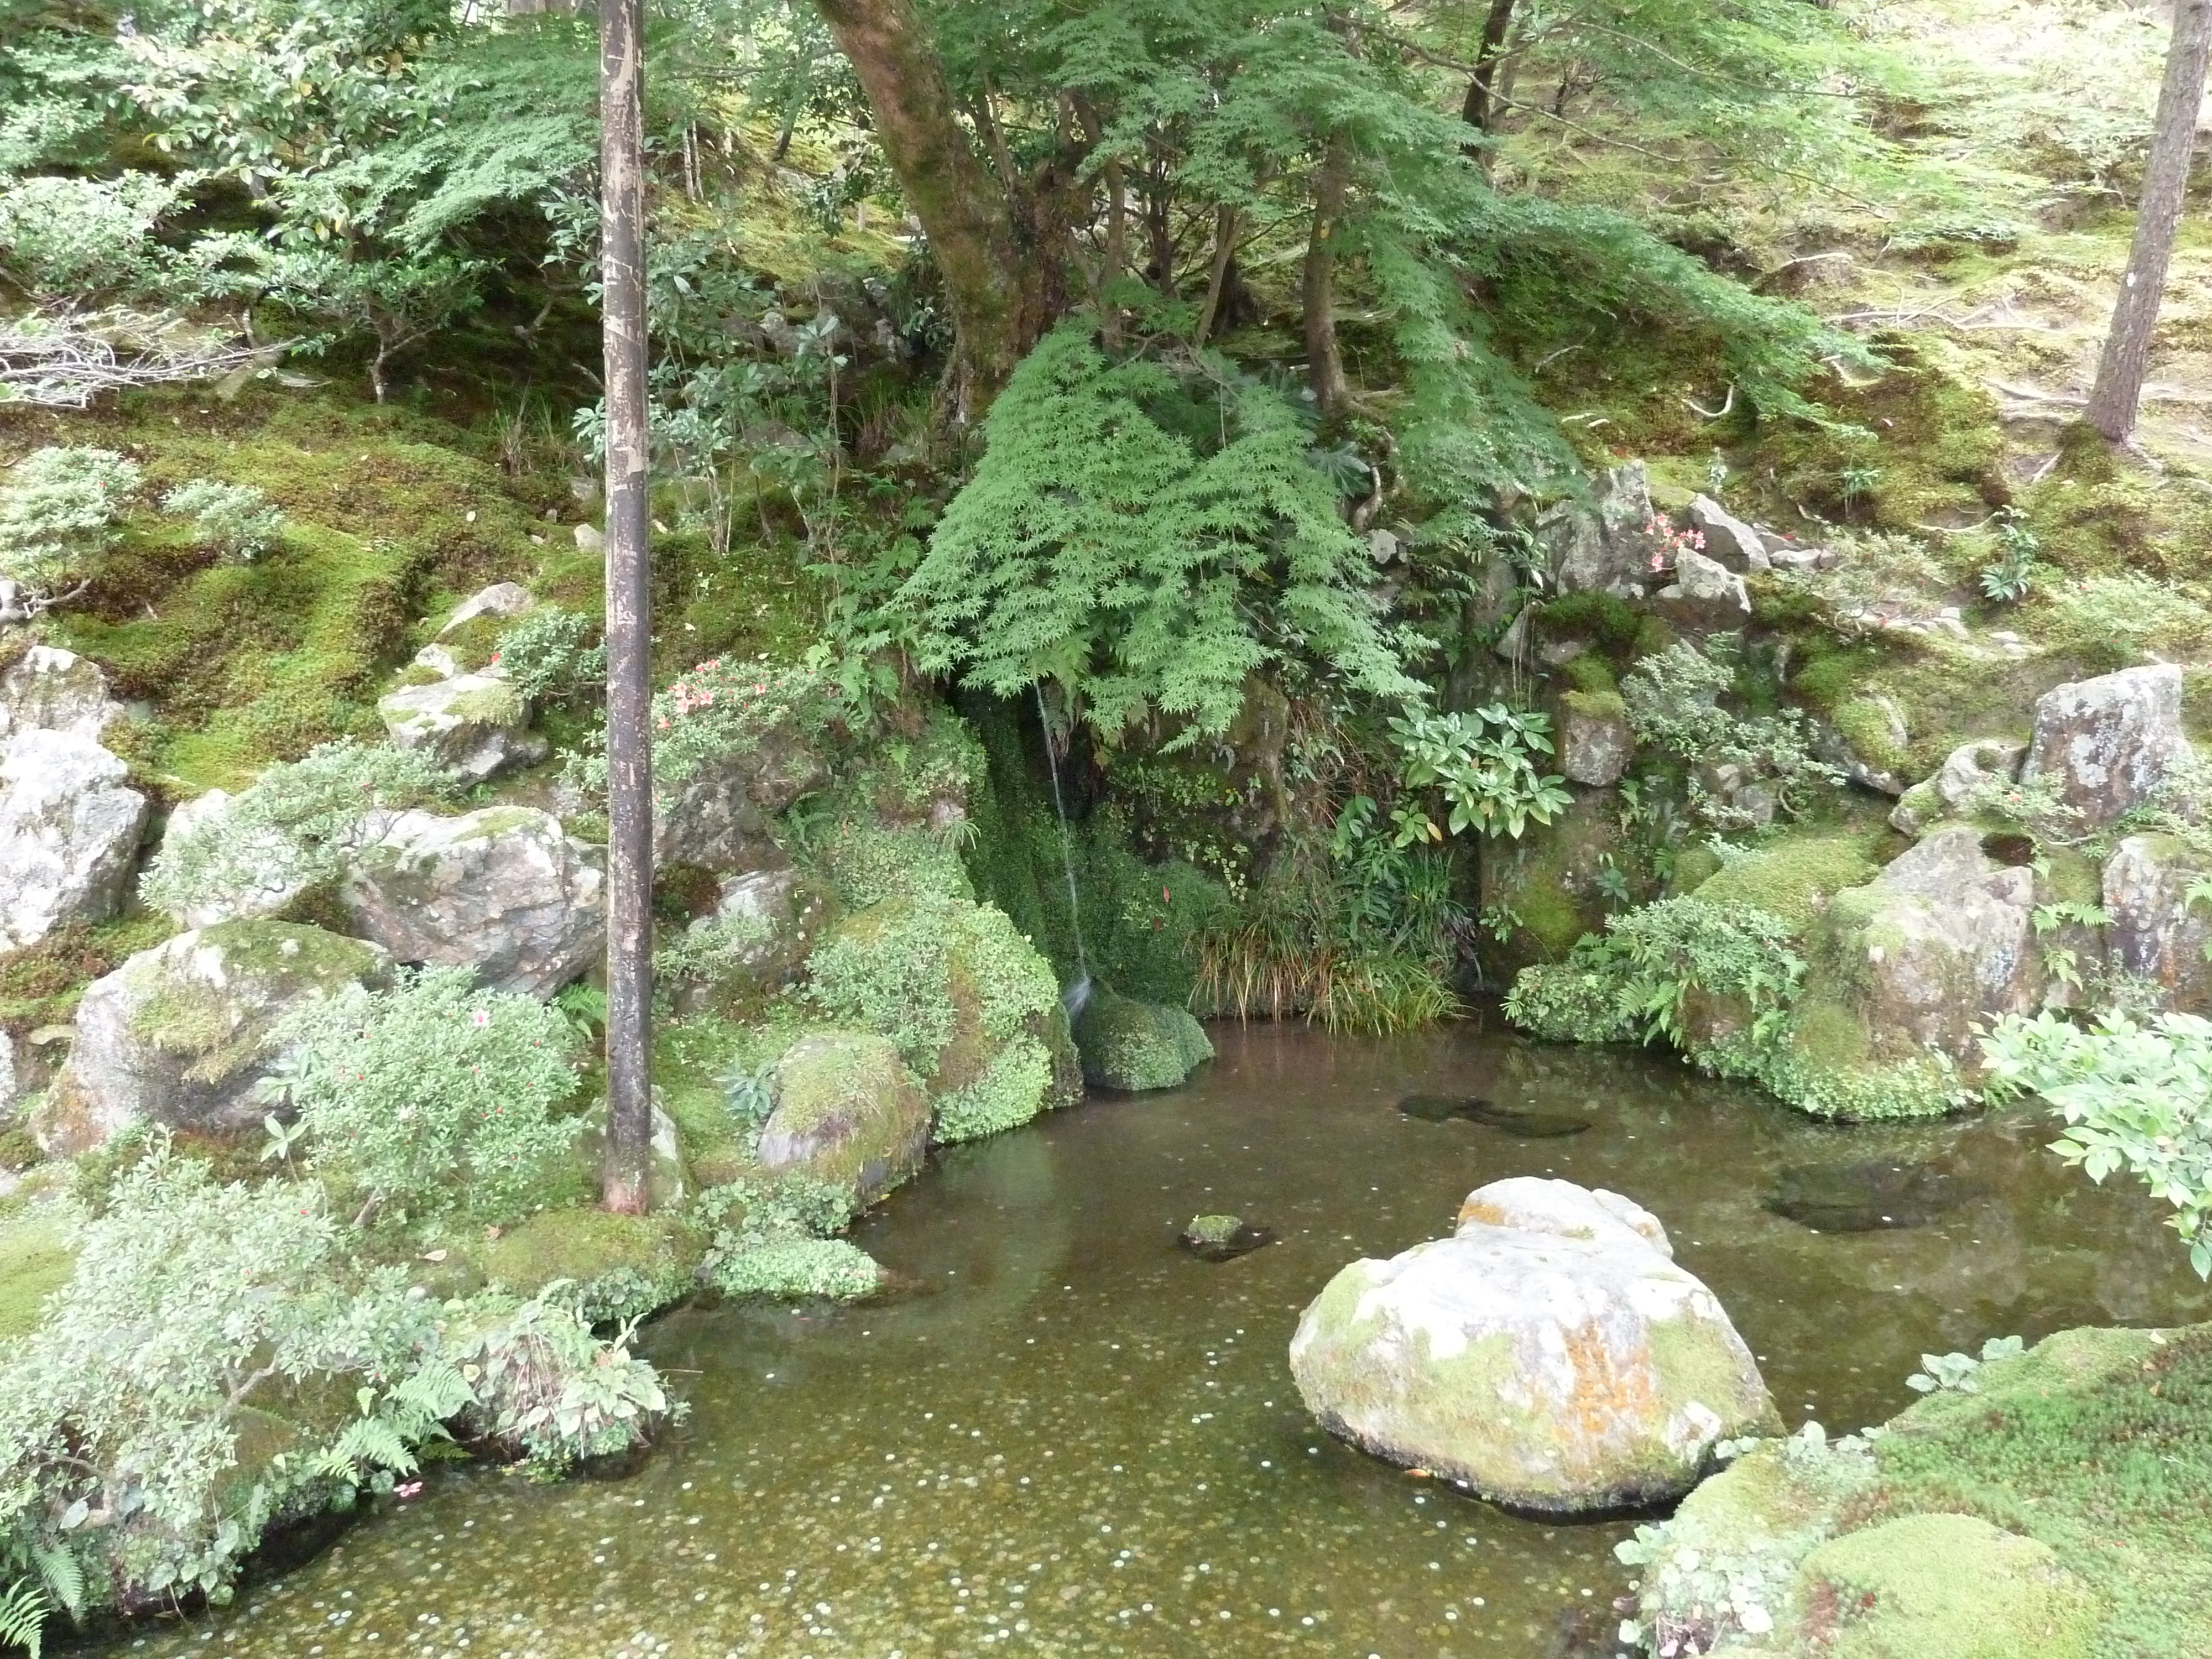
181, 1033
1549, 1355
1134, 1046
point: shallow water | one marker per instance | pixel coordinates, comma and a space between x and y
1078, 1438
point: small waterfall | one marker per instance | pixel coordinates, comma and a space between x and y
1078, 992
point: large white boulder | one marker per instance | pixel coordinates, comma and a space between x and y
505, 891
180, 1034
1550, 1355
69, 833
2104, 743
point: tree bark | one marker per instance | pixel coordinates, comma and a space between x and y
629, 620
2118, 390
963, 211
1324, 361
1475, 109
1225, 255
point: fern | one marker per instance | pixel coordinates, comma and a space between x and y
1148, 540
62, 1574
23, 1612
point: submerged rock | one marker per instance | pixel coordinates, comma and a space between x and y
1863, 1195
1134, 1046
2104, 743
69, 833
1519, 1121
475, 726
847, 1110
179, 1034
505, 891
1222, 1237
1550, 1355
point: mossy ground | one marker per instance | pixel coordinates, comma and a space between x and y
36, 1260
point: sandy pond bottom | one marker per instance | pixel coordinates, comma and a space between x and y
1075, 1438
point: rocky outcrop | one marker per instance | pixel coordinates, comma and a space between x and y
1594, 742
722, 817
753, 941
504, 890
1939, 944
273, 861
180, 1034
50, 690
2104, 743
500, 599
2154, 931
1727, 538
1132, 1046
1972, 774
1603, 544
69, 833
1704, 593
849, 1110
475, 726
1549, 1355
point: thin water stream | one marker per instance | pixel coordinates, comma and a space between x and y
1071, 1437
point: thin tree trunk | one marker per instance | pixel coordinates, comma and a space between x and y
1475, 109
1324, 361
963, 211
1224, 254
629, 622
2118, 390
1160, 234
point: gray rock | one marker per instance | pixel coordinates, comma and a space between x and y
722, 817
50, 690
475, 725
1550, 1354
1840, 752
180, 1034
1746, 794
505, 891
1803, 560
847, 1110
500, 599
755, 940
1383, 546
589, 540
69, 834
2106, 743
1970, 770
1604, 544
1594, 742
1940, 943
1706, 592
1727, 538
439, 661
2155, 930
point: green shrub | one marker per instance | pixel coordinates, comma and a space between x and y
546, 656
432, 1096
1673, 700
773, 1237
293, 828
236, 520
58, 512
1577, 1000
829, 1268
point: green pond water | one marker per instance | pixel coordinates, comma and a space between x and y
1070, 1436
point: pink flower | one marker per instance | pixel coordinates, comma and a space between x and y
480, 1018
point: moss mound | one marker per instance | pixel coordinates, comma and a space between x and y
1794, 879
1134, 1046
616, 1266
36, 1260
848, 1111
1942, 1587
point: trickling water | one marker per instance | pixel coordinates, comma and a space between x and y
1073, 1437
1078, 991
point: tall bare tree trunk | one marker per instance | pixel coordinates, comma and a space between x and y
1324, 361
2113, 400
963, 211
1225, 256
629, 607
1475, 109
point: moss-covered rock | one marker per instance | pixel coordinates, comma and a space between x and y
847, 1110
967, 1001
1794, 878
611, 1266
1545, 885
1941, 1587
179, 1034
1134, 1046
1549, 1355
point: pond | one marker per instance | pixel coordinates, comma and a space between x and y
1070, 1436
